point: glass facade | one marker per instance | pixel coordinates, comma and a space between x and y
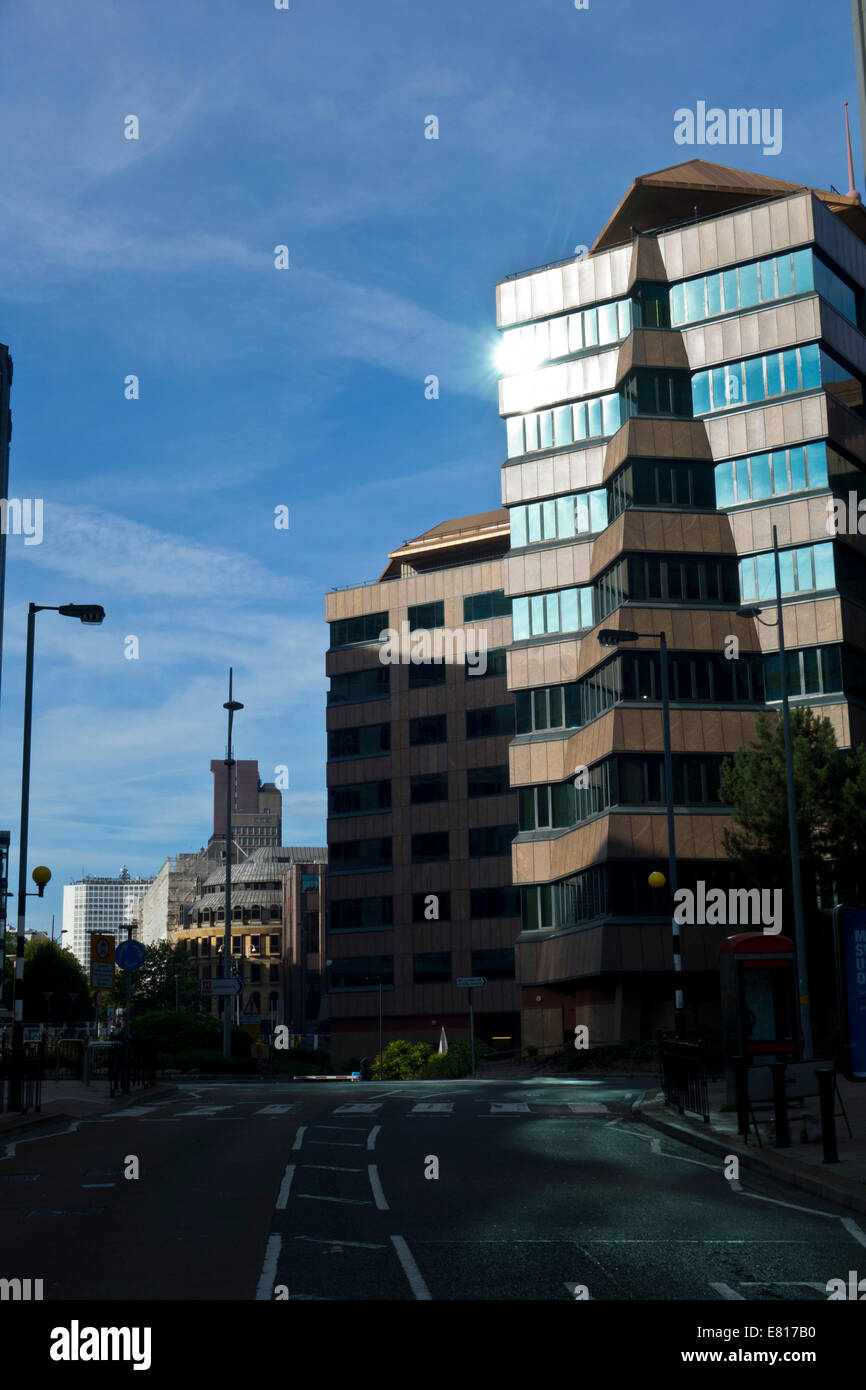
776, 374
371, 683
622, 780
596, 418
492, 605
760, 282
805, 569
651, 483
358, 798
559, 518
363, 741
564, 610
532, 345
758, 476
347, 631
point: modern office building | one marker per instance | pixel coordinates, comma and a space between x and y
692, 383
257, 808
178, 883
100, 905
420, 813
273, 900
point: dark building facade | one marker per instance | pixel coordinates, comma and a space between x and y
420, 812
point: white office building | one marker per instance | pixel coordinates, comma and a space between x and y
100, 905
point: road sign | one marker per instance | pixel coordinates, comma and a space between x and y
232, 986
130, 955
470, 982
101, 961
250, 1011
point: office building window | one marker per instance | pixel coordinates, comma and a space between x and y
486, 663
347, 632
430, 847
427, 615
429, 787
476, 607
487, 781
487, 723
359, 798
362, 972
564, 610
361, 914
488, 840
431, 728
758, 476
370, 683
496, 963
494, 902
363, 741
805, 569
431, 967
359, 856
422, 673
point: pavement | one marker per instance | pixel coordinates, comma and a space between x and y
801, 1165
73, 1100
468, 1190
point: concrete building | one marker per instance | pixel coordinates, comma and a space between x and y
694, 381
257, 808
271, 893
178, 882
420, 814
104, 905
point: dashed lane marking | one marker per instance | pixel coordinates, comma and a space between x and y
269, 1269
376, 1185
410, 1269
285, 1187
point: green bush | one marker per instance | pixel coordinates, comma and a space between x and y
182, 1032
401, 1061
457, 1061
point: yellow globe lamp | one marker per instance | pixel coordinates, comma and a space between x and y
656, 880
41, 877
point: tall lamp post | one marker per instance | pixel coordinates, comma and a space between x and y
230, 705
793, 829
611, 637
91, 614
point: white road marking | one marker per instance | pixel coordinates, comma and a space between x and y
361, 1129
299, 1138
338, 1143
99, 1184
348, 1201
269, 1269
207, 1110
510, 1108
338, 1240
363, 1108
376, 1185
285, 1187
853, 1229
436, 1108
274, 1110
589, 1108
727, 1292
331, 1168
410, 1269
782, 1284
371, 1137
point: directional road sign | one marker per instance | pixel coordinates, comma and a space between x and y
130, 955
232, 986
471, 981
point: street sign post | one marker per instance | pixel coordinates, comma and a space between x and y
471, 982
101, 961
232, 986
130, 955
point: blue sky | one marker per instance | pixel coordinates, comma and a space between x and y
305, 387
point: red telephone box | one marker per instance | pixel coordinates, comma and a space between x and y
759, 1000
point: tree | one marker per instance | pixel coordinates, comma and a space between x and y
831, 810
55, 988
830, 785
153, 986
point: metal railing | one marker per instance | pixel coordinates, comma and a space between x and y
130, 1064
21, 1074
683, 1075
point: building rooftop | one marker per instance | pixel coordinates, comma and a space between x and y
462, 540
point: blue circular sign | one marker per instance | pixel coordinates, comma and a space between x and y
130, 955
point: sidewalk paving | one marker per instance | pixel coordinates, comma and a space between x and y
802, 1164
72, 1100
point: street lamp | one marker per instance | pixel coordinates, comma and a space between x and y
611, 637
232, 706
91, 614
793, 831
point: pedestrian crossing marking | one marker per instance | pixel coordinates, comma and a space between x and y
274, 1110
510, 1108
361, 1108
432, 1108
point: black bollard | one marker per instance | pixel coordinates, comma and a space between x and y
827, 1098
780, 1105
741, 1075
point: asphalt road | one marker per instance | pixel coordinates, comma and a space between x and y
417, 1190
